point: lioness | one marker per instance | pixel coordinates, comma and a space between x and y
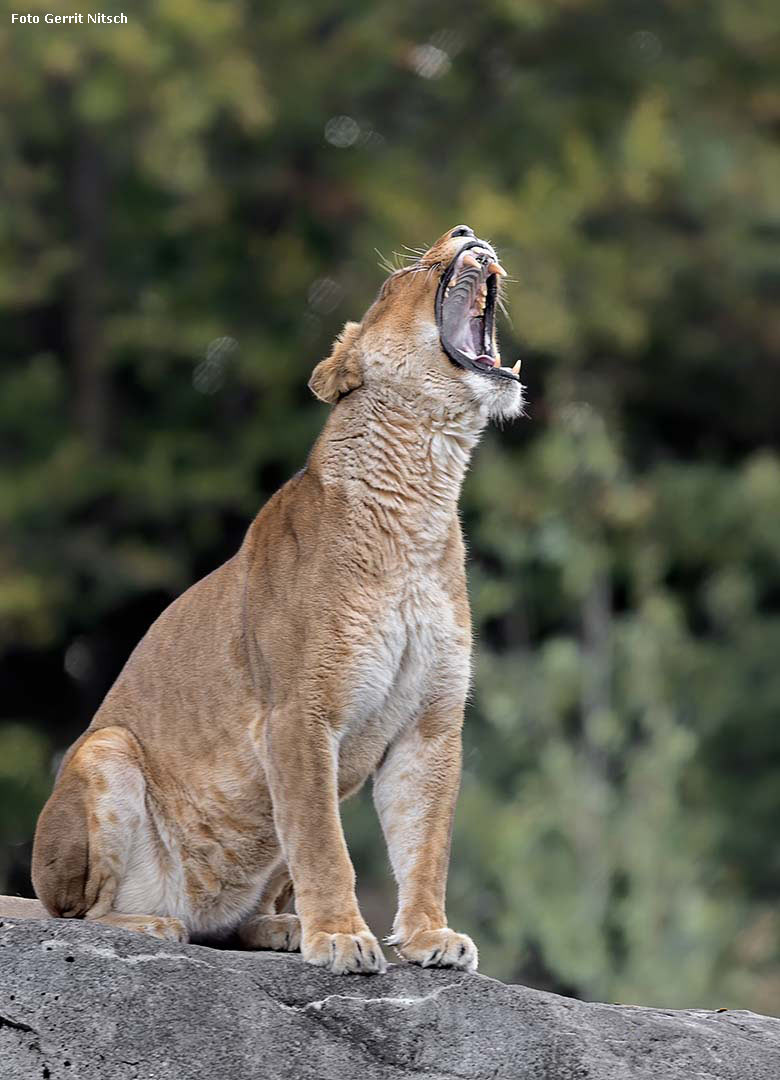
334, 646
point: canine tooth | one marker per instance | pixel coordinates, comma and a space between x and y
516, 368
495, 268
469, 260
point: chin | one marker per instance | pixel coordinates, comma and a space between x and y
500, 400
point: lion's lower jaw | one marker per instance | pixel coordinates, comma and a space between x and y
502, 399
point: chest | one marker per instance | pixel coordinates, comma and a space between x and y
415, 650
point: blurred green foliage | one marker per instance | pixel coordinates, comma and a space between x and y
190, 209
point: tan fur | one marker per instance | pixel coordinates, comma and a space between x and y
19, 907
334, 646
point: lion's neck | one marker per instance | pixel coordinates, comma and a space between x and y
399, 469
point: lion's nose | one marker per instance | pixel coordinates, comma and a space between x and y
461, 230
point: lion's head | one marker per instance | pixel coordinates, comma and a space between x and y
430, 335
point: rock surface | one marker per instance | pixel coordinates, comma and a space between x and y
81, 1000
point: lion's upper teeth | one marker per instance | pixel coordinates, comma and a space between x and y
496, 268
469, 260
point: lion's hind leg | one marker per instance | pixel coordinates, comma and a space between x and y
270, 927
87, 831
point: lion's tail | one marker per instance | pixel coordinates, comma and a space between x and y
19, 907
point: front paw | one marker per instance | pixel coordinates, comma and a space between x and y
438, 948
344, 953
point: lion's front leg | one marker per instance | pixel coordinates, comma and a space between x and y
415, 790
302, 775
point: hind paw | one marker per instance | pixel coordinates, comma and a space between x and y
160, 926
279, 932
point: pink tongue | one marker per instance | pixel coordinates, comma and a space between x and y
488, 361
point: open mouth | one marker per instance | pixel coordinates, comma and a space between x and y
466, 311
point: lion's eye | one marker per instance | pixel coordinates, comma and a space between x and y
462, 230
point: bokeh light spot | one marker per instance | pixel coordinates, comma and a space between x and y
429, 61
646, 44
325, 295
342, 131
78, 660
209, 375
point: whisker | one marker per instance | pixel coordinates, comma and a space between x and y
404, 256
384, 263
404, 270
394, 269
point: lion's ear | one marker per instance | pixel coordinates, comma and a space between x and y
341, 371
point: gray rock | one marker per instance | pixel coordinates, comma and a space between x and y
82, 1000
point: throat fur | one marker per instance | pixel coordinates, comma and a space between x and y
400, 474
